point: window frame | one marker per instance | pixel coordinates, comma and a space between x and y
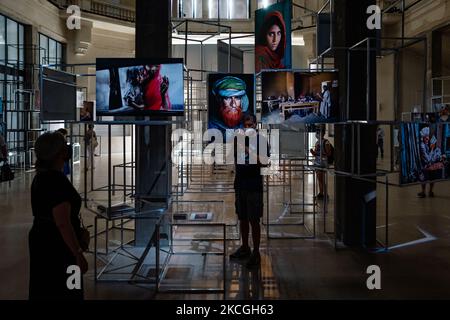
179, 5
56, 58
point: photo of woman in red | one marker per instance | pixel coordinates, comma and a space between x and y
147, 89
156, 89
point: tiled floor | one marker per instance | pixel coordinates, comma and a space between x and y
416, 267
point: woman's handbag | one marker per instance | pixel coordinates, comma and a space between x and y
84, 238
6, 174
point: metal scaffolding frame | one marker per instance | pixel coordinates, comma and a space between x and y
20, 106
370, 46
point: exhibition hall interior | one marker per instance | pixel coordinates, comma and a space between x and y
224, 149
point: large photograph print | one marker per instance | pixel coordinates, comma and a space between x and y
139, 87
425, 152
230, 98
299, 97
273, 37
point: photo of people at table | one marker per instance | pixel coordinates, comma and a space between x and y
299, 97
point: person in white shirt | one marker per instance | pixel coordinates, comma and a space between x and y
91, 143
325, 103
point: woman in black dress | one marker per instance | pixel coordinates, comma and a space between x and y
53, 239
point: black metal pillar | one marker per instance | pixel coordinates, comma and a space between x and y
355, 211
153, 148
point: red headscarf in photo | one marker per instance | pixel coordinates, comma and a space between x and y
265, 57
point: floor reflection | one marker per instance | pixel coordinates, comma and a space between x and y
252, 283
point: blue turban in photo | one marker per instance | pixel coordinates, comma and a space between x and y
231, 87
425, 132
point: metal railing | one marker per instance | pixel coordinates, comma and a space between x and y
99, 8
398, 6
108, 10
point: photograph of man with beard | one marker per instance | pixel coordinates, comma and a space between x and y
230, 98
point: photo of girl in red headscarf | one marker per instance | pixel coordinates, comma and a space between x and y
272, 47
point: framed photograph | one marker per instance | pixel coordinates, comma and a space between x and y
139, 87
230, 98
273, 37
425, 151
299, 97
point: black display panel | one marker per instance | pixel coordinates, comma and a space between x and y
59, 95
323, 32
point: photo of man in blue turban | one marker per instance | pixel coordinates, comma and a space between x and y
229, 100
